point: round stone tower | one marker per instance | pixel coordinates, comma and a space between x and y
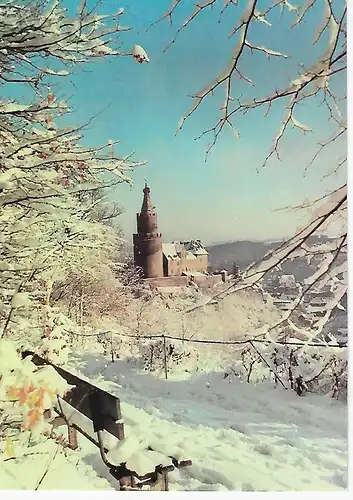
148, 241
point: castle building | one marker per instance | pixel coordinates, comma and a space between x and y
157, 259
148, 241
184, 257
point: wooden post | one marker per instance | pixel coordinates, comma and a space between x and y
81, 308
70, 304
111, 346
72, 437
165, 358
166, 481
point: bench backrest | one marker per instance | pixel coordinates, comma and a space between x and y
97, 405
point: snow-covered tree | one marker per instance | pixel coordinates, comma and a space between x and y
53, 219
321, 82
50, 224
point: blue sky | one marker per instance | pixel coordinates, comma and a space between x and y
223, 199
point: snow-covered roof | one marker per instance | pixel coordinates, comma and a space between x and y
195, 246
200, 251
192, 249
315, 309
282, 300
318, 300
170, 252
193, 273
178, 245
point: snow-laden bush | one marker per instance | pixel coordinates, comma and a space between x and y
87, 297
322, 370
54, 345
250, 366
114, 346
155, 353
314, 369
26, 391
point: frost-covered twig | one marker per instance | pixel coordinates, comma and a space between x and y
51, 459
315, 82
278, 379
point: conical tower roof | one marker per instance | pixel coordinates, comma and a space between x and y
146, 204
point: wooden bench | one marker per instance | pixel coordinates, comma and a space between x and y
96, 414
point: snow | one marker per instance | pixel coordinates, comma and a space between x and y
20, 300
139, 54
287, 280
65, 471
25, 393
239, 436
169, 251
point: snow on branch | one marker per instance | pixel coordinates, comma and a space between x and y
313, 83
331, 268
309, 84
48, 213
41, 32
50, 32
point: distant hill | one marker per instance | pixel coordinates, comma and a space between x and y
244, 253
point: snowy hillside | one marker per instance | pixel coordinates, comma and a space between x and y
239, 436
211, 372
162, 311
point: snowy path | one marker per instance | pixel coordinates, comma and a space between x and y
240, 437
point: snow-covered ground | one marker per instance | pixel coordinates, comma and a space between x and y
239, 436
47, 467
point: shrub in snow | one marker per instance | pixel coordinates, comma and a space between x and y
113, 345
153, 355
26, 391
54, 348
250, 367
55, 341
88, 296
322, 370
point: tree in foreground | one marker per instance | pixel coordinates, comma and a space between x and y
318, 84
51, 226
322, 83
